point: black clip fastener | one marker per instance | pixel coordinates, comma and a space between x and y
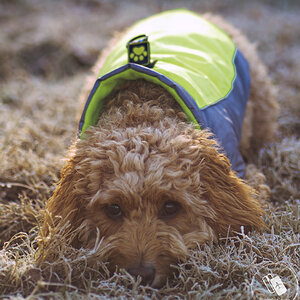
139, 51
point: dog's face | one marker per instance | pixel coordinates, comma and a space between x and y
153, 193
150, 205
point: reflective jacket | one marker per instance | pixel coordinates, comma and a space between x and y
196, 62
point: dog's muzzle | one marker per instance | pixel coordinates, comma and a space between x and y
145, 270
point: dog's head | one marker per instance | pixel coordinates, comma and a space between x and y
153, 193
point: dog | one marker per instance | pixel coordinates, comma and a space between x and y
146, 172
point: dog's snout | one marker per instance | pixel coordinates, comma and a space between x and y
146, 270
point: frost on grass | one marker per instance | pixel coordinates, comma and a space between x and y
45, 54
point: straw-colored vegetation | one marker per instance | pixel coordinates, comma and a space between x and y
46, 50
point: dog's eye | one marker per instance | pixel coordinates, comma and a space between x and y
170, 209
113, 211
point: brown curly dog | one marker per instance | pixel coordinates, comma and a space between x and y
152, 183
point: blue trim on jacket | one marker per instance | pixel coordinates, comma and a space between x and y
224, 118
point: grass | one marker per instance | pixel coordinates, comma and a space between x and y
46, 51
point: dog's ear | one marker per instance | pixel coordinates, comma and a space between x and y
86, 168
61, 207
232, 200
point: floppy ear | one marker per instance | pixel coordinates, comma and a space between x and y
230, 197
81, 178
61, 207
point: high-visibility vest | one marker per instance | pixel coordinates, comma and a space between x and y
196, 62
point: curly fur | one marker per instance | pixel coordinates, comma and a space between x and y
142, 154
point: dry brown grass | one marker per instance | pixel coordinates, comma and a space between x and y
45, 51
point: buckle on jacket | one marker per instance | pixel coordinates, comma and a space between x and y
139, 50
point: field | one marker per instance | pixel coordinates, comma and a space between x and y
46, 51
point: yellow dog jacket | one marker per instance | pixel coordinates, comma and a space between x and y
197, 62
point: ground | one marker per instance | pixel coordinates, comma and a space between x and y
46, 50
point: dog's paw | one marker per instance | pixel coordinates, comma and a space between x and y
257, 180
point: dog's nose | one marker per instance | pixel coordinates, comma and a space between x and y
146, 270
